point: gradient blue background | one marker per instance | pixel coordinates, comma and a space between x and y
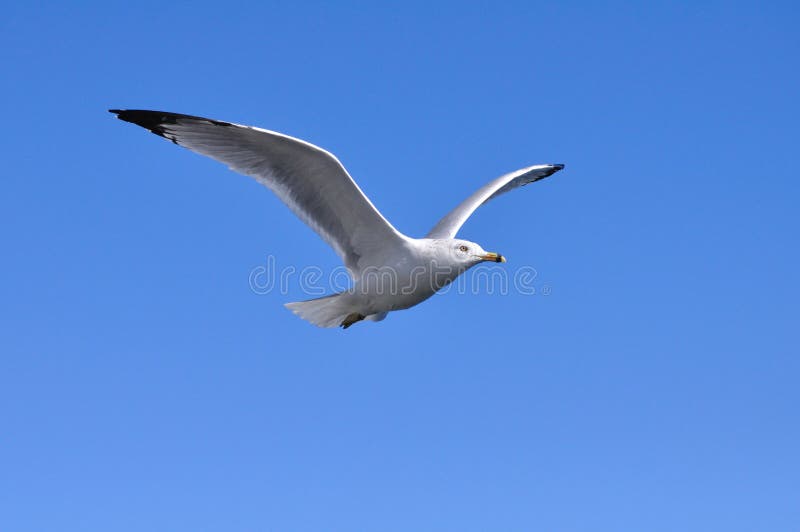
144, 386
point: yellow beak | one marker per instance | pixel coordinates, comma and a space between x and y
494, 257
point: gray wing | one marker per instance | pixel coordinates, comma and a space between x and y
308, 179
450, 224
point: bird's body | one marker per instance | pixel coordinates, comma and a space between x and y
411, 272
390, 270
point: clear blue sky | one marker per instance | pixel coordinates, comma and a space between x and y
145, 386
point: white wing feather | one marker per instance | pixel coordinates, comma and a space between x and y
308, 179
452, 222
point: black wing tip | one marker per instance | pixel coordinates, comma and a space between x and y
150, 119
153, 121
553, 168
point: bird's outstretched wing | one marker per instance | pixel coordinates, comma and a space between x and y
310, 180
452, 222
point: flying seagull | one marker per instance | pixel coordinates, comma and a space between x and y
390, 270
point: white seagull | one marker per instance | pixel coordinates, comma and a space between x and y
390, 270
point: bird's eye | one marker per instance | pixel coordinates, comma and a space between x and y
463, 249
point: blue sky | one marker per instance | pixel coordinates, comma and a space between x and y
145, 386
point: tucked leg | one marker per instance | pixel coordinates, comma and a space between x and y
351, 319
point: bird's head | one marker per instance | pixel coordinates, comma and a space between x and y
469, 253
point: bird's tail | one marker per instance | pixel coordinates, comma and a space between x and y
328, 311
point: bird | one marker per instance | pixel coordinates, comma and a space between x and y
390, 271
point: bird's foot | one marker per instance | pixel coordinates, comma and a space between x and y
351, 319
